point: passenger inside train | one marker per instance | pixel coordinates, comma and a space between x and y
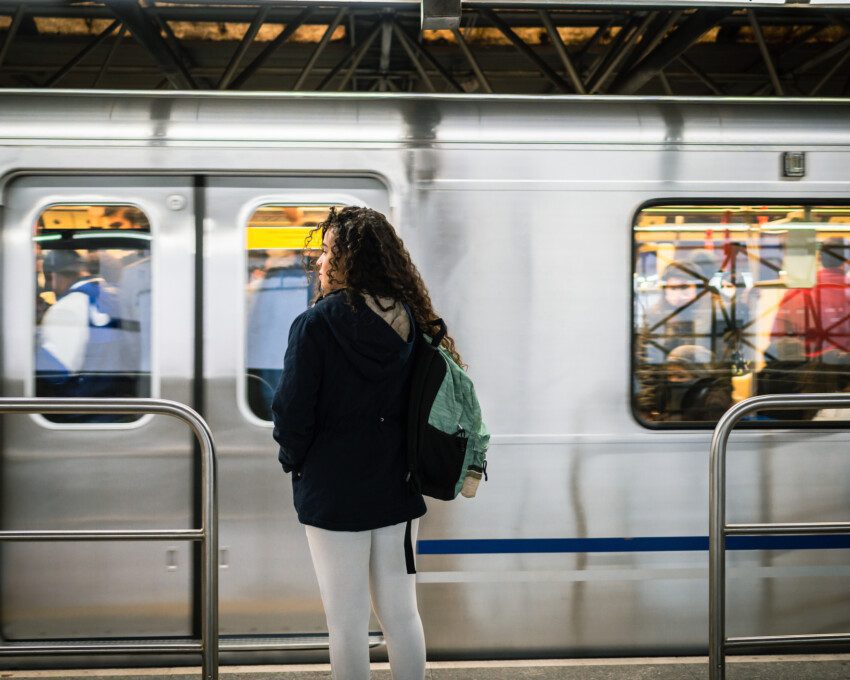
747, 299
694, 391
809, 347
278, 288
682, 313
93, 305
278, 292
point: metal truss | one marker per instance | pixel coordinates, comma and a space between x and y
542, 49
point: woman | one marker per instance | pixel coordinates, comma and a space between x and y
339, 413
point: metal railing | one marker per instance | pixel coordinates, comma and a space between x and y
718, 530
207, 534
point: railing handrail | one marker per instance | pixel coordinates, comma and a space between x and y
207, 534
718, 529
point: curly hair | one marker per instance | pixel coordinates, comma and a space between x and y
371, 259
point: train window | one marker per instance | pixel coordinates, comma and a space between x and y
92, 306
731, 301
278, 287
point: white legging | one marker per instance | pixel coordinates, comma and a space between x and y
350, 564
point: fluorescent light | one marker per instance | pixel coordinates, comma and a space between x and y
141, 237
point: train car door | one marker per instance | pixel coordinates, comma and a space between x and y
97, 301
254, 285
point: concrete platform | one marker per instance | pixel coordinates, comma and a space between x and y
796, 667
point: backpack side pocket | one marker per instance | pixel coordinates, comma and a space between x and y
441, 462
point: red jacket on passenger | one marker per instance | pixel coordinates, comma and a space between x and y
818, 316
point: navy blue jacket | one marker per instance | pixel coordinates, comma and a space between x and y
340, 413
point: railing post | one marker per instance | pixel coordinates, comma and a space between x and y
717, 554
207, 534
209, 560
718, 529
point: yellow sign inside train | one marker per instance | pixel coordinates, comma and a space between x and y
291, 238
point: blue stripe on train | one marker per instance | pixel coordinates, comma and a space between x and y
480, 546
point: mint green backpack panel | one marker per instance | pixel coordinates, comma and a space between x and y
457, 396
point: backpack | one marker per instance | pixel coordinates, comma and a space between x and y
446, 437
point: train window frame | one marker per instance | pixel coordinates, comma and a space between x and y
713, 201
283, 200
29, 382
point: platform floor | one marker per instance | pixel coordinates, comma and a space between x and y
797, 667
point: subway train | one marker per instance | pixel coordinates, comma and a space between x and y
616, 273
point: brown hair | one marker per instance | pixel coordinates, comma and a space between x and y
376, 263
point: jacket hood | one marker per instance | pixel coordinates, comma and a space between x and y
377, 343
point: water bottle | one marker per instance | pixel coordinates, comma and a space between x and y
470, 483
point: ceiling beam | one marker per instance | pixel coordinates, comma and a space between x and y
655, 37
665, 83
834, 51
10, 32
82, 54
674, 46
473, 63
364, 45
625, 50
701, 75
326, 38
604, 57
561, 49
270, 49
358, 55
386, 46
765, 53
413, 43
525, 49
183, 57
112, 50
140, 27
591, 43
414, 59
805, 58
247, 39
839, 63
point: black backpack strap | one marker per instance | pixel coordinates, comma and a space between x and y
440, 334
421, 362
408, 550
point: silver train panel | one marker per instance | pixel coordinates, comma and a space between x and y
600, 603
134, 476
519, 214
